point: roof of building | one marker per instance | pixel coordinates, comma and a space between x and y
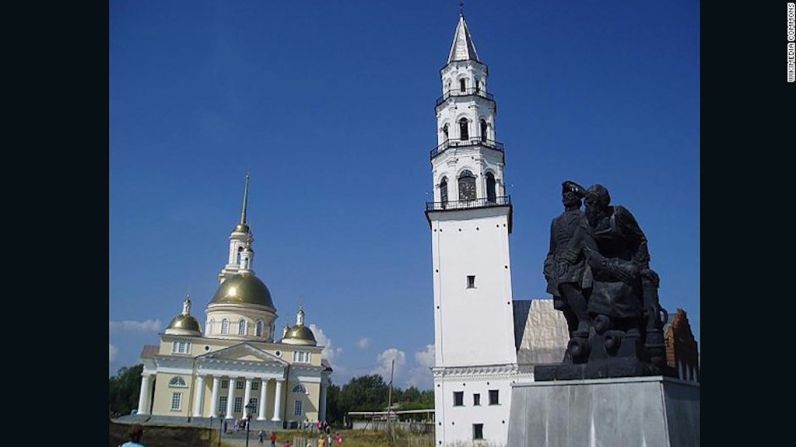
243, 288
463, 48
540, 332
185, 322
299, 335
149, 351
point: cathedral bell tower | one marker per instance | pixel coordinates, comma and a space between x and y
470, 222
241, 254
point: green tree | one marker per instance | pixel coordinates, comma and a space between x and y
124, 389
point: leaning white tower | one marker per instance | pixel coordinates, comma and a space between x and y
470, 222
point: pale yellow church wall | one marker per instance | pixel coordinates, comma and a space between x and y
163, 395
309, 402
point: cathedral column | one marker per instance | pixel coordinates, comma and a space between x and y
247, 394
143, 396
278, 401
214, 397
263, 396
230, 397
200, 395
322, 404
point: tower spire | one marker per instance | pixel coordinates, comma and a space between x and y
461, 8
245, 198
463, 48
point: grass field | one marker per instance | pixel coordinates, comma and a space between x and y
352, 438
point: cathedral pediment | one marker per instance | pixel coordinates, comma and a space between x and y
242, 352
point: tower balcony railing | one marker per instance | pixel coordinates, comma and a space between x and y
483, 202
479, 141
465, 92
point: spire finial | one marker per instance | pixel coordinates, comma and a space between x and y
186, 305
245, 197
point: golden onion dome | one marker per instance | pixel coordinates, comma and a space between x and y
299, 335
182, 324
243, 288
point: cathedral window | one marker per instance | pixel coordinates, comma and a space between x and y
242, 327
238, 405
443, 191
177, 381
224, 326
222, 403
181, 347
176, 401
483, 130
458, 398
471, 281
301, 357
255, 385
476, 400
493, 397
466, 186
464, 134
224, 384
491, 196
445, 131
299, 389
258, 329
239, 384
462, 85
297, 410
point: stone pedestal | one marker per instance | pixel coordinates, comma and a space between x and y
630, 411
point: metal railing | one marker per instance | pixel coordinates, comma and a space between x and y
491, 144
464, 204
465, 92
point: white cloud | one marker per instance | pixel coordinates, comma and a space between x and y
135, 326
420, 375
113, 351
330, 352
363, 343
385, 361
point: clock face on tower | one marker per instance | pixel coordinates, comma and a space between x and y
467, 186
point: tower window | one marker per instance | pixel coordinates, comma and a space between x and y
491, 196
443, 191
445, 131
493, 397
458, 398
258, 329
478, 431
476, 399
483, 130
471, 281
464, 134
242, 327
462, 85
467, 186
224, 326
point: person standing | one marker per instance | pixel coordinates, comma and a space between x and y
260, 436
273, 439
135, 435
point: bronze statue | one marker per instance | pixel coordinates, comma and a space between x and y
568, 277
600, 259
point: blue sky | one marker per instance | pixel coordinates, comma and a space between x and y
329, 106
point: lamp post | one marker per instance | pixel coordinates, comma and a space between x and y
251, 407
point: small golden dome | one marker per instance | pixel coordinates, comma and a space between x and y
299, 335
184, 323
241, 228
243, 288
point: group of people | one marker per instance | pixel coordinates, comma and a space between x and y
598, 271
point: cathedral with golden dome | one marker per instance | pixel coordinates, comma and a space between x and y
235, 367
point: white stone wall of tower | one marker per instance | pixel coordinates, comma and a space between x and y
458, 421
473, 326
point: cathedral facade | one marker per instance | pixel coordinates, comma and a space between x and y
236, 366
